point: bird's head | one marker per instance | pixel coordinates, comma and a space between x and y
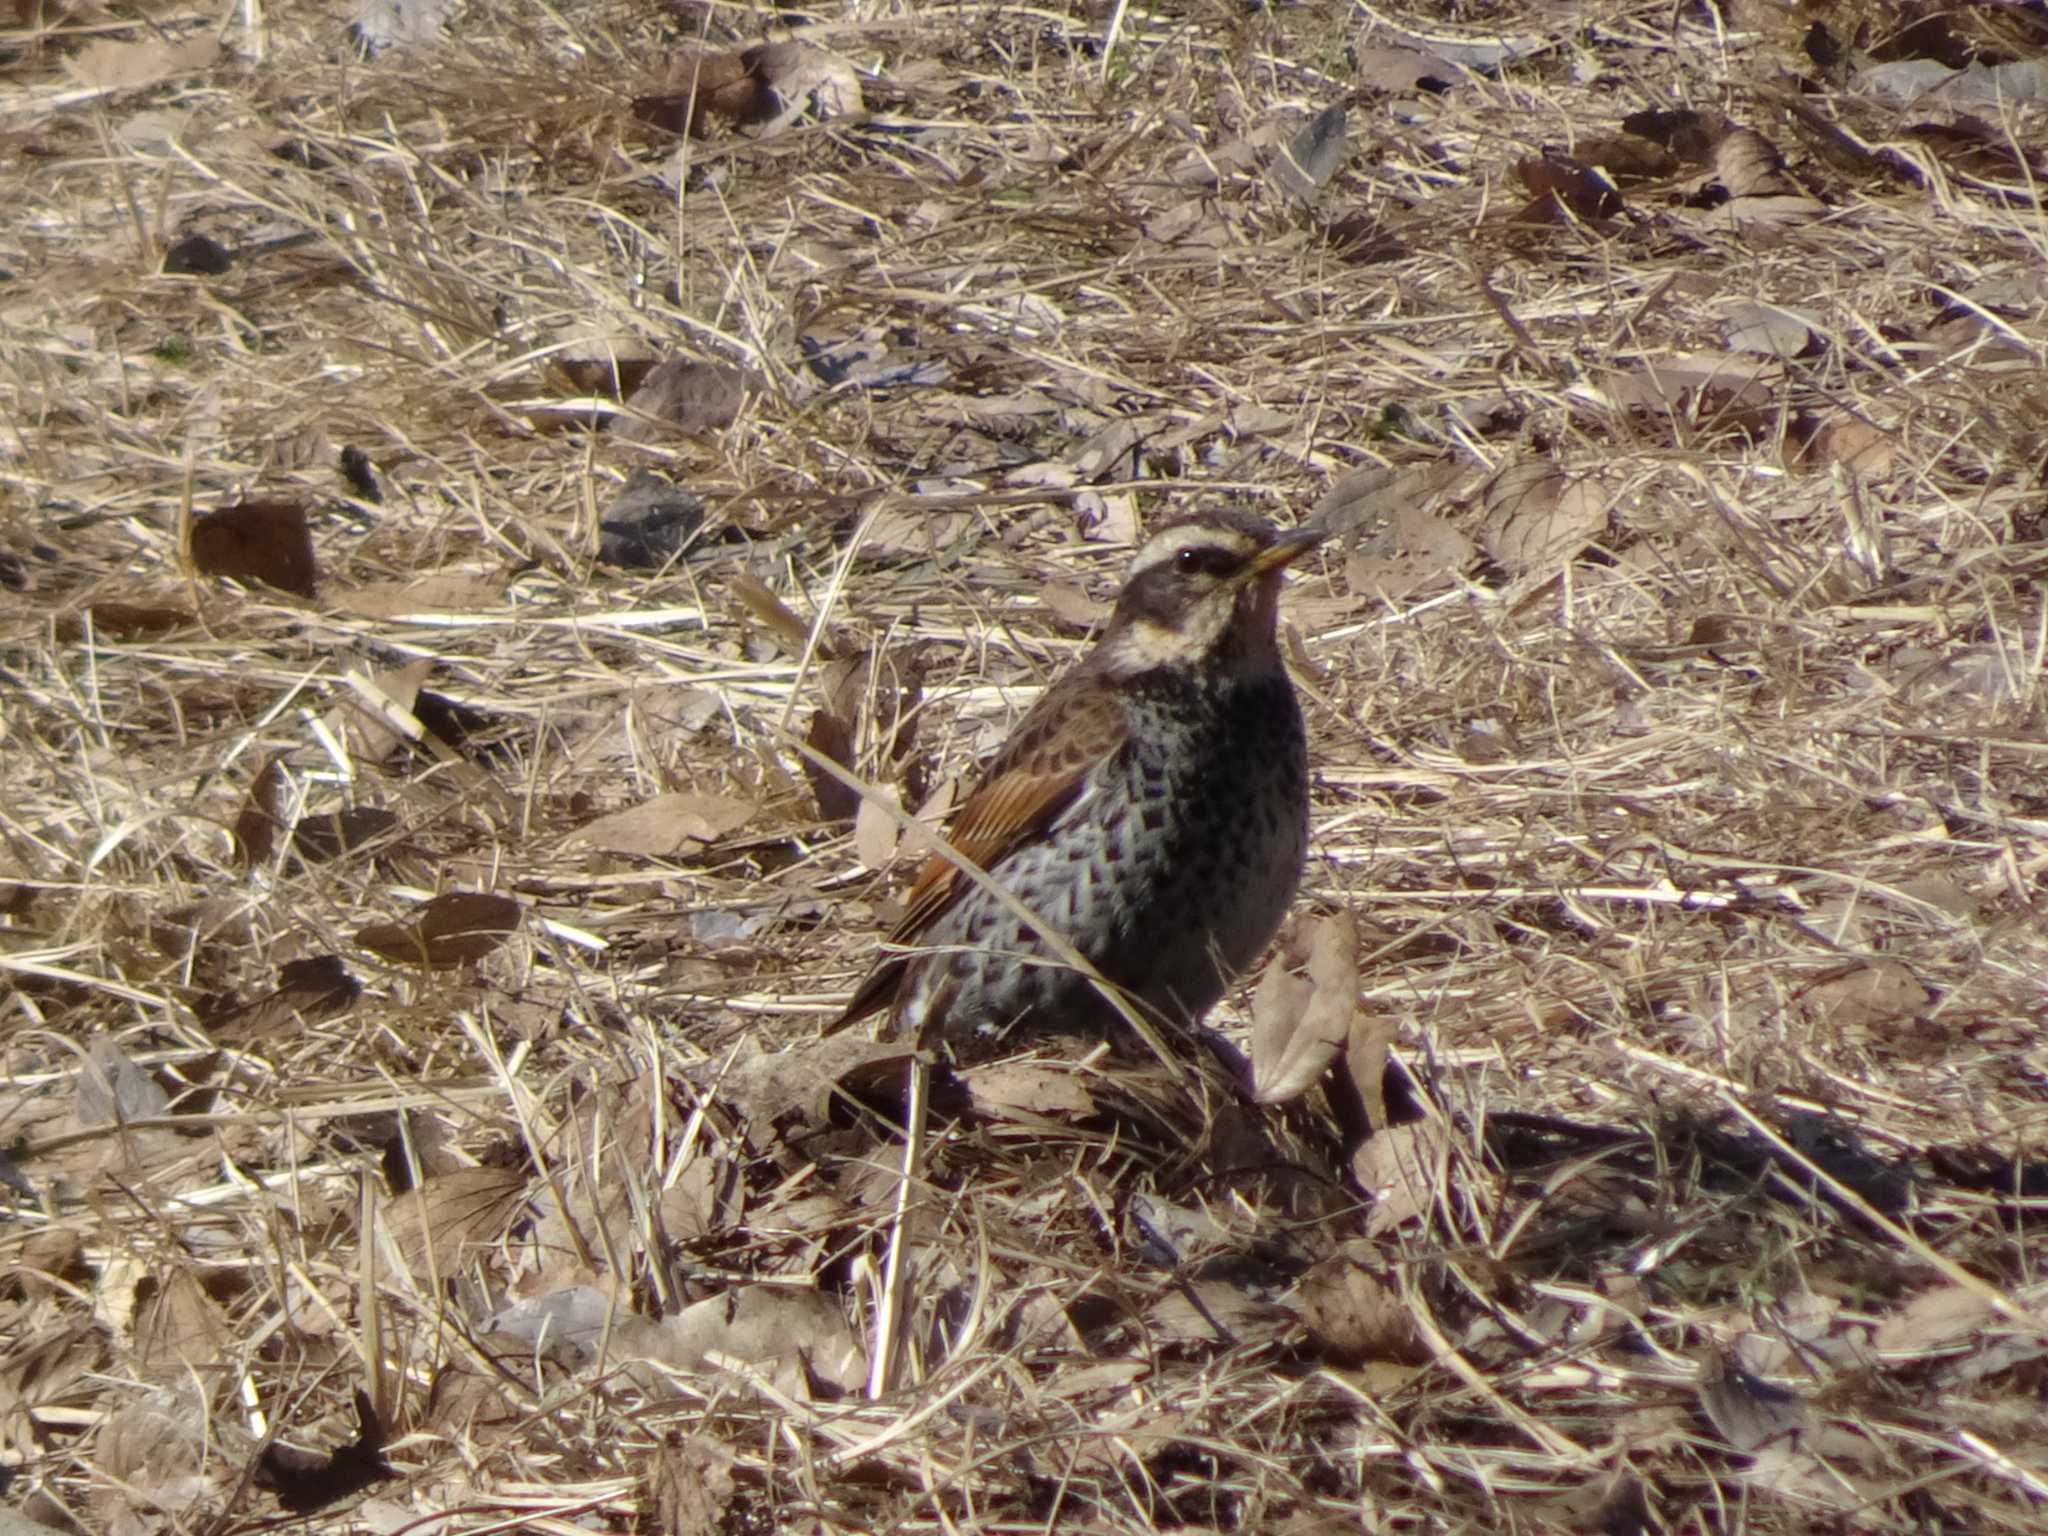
1204, 589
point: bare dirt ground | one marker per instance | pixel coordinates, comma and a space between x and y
418, 906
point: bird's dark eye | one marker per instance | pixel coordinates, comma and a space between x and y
1197, 561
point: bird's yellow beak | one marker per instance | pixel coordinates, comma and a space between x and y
1283, 552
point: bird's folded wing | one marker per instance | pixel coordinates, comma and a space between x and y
1043, 771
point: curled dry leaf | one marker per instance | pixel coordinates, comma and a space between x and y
1815, 443
668, 826
703, 86
1751, 1413
258, 541
1299, 1024
452, 929
1538, 518
1306, 163
1749, 165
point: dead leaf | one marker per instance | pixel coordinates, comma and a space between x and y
370, 733
1215, 1311
452, 929
1354, 1310
1840, 438
876, 832
1308, 161
320, 839
255, 830
431, 1229
767, 1325
115, 619
1749, 165
804, 79
112, 1090
1538, 518
774, 615
668, 826
108, 65
1933, 1322
1751, 1413
1012, 1089
178, 1327
703, 86
447, 592
690, 1486
1401, 1168
1300, 1023
259, 541
682, 399
1365, 1060
1561, 185
48, 1261
831, 737
1861, 997
309, 991
1072, 607
1773, 330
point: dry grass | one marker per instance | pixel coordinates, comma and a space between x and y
1700, 876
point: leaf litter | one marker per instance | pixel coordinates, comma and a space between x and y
1661, 1089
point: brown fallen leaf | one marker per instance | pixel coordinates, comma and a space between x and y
372, 734
255, 830
1560, 185
831, 737
1300, 1023
1538, 518
1354, 1310
448, 592
430, 1228
178, 1327
309, 990
1814, 443
682, 399
319, 839
115, 619
110, 65
1861, 997
259, 541
452, 929
668, 826
703, 86
1014, 1089
690, 1487
1400, 1168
